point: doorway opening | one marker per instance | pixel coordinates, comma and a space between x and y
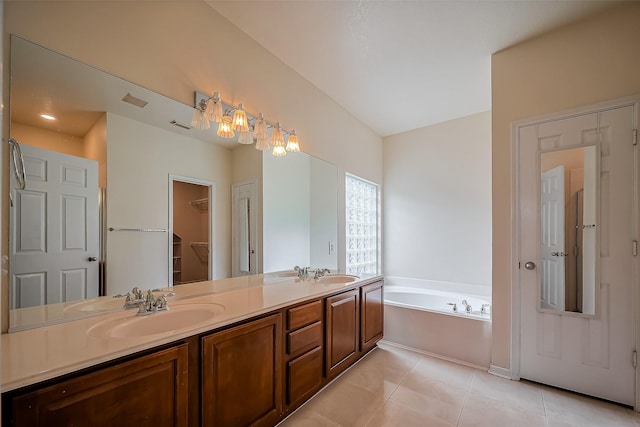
190, 226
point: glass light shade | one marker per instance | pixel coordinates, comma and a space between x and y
292, 144
245, 137
260, 130
279, 151
276, 136
240, 122
224, 128
214, 111
262, 144
198, 121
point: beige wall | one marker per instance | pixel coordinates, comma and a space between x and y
591, 61
95, 148
175, 47
437, 203
138, 197
48, 140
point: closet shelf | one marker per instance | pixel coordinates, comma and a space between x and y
201, 204
202, 250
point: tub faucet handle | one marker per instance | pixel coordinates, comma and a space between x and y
455, 306
485, 309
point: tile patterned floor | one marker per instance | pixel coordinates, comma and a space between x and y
396, 387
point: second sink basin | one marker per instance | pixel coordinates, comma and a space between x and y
332, 279
177, 318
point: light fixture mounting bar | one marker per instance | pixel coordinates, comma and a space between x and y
200, 103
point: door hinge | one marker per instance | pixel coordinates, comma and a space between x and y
634, 359
635, 137
634, 248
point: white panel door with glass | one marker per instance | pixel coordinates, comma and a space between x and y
579, 336
54, 230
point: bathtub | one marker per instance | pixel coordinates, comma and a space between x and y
419, 315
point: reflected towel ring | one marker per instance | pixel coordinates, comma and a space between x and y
18, 163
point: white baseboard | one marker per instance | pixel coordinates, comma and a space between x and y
437, 356
499, 371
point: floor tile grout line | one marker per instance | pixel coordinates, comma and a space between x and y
466, 397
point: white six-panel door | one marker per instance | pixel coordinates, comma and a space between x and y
587, 354
54, 230
552, 239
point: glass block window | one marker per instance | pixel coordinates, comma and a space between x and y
362, 225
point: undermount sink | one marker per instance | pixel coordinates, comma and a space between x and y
332, 279
95, 305
175, 319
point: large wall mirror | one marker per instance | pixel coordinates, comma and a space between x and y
568, 250
141, 198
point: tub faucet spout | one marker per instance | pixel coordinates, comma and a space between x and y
467, 306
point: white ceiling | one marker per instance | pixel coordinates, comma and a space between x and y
399, 65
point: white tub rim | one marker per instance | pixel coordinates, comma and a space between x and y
426, 291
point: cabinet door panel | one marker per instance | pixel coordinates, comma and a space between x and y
241, 375
149, 391
304, 376
342, 333
372, 315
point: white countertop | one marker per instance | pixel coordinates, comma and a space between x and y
46, 352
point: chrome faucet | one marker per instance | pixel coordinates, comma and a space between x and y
321, 272
150, 304
467, 307
133, 298
303, 272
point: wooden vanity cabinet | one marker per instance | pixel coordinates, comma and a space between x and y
371, 315
342, 331
253, 373
241, 374
150, 390
303, 352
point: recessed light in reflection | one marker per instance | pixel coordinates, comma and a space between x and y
47, 117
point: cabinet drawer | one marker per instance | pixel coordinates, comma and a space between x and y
305, 338
304, 376
304, 314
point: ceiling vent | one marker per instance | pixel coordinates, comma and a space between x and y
134, 101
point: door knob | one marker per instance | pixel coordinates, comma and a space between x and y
92, 259
530, 265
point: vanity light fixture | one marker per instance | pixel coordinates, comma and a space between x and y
213, 111
240, 122
260, 130
245, 137
198, 120
279, 151
277, 140
224, 128
210, 109
292, 143
276, 135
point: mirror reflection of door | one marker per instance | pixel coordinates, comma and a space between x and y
190, 233
552, 244
243, 229
54, 224
568, 226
